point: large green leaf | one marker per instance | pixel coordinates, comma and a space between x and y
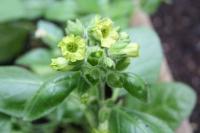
16, 87
24, 95
171, 102
12, 38
50, 94
5, 123
129, 121
135, 86
32, 59
148, 64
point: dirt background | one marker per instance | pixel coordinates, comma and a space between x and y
178, 25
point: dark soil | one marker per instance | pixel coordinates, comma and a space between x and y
178, 25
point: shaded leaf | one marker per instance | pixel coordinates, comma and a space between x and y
12, 38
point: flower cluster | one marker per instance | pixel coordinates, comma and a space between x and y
101, 43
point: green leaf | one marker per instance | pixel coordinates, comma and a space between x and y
135, 86
12, 37
5, 123
130, 121
17, 85
170, 102
50, 33
24, 95
35, 8
88, 6
150, 6
11, 10
71, 110
116, 9
51, 94
148, 64
32, 59
61, 10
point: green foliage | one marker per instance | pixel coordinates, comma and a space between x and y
130, 121
27, 96
148, 64
135, 86
39, 65
170, 102
49, 33
5, 124
96, 74
12, 39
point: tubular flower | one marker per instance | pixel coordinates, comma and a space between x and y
131, 50
73, 48
61, 64
103, 30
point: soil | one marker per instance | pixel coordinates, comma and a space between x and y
178, 25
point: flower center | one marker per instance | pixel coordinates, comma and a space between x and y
105, 32
72, 47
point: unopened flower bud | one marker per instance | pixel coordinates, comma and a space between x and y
75, 28
61, 64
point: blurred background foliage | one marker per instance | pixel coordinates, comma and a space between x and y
18, 18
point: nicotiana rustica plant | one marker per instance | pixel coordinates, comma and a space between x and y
103, 81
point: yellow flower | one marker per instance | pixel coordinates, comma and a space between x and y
73, 48
61, 64
102, 29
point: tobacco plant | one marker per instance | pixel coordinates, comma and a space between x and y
101, 79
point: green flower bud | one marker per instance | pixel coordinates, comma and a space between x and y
122, 63
108, 62
94, 57
131, 50
84, 98
128, 50
61, 64
124, 37
75, 28
102, 29
73, 48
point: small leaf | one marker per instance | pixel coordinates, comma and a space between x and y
130, 121
50, 33
135, 86
170, 102
51, 94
